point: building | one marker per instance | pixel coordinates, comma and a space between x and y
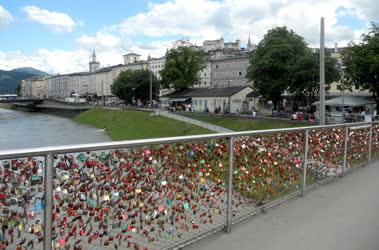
205, 76
34, 87
131, 58
93, 64
97, 81
233, 99
209, 45
57, 86
156, 65
102, 80
337, 88
229, 69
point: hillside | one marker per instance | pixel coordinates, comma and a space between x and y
9, 80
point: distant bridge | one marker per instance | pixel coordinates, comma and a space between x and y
33, 101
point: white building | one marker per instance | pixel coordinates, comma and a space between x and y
209, 45
57, 86
97, 81
34, 87
102, 80
205, 76
233, 99
131, 58
156, 65
94, 65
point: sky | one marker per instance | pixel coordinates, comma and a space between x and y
59, 36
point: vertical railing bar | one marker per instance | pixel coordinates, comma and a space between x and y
230, 186
48, 208
305, 162
345, 151
370, 145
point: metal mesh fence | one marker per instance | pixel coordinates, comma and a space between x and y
21, 203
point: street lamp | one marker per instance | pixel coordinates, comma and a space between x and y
151, 89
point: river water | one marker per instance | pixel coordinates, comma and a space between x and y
30, 129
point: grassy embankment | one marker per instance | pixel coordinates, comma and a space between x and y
6, 106
128, 124
241, 124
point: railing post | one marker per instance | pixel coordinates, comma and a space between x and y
345, 152
230, 186
305, 162
370, 145
48, 209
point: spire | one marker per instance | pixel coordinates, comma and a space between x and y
249, 45
93, 56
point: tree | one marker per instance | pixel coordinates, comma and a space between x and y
131, 84
362, 63
271, 64
306, 74
18, 90
182, 67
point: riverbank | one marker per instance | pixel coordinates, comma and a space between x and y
6, 106
243, 124
130, 124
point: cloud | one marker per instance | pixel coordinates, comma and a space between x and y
209, 19
5, 16
60, 22
101, 40
153, 31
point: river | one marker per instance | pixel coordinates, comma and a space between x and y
30, 129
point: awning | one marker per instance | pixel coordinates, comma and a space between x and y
178, 99
350, 101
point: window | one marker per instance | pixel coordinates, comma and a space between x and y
356, 87
205, 74
339, 87
194, 102
201, 102
240, 73
216, 66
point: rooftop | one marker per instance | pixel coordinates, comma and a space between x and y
207, 92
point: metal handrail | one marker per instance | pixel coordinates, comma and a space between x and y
48, 153
39, 151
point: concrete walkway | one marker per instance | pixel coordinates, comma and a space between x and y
342, 215
202, 124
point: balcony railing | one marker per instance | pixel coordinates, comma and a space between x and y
166, 193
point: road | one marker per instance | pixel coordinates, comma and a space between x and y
340, 215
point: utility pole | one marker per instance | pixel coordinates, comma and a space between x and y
151, 89
322, 73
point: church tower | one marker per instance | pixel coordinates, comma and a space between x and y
93, 64
249, 46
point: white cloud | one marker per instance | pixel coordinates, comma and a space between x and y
198, 19
101, 40
55, 20
208, 19
5, 16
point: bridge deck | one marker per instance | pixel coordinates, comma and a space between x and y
340, 215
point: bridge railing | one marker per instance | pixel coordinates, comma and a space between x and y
168, 192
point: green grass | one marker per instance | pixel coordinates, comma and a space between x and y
6, 106
241, 124
128, 124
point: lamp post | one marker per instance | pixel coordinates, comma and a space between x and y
151, 89
322, 73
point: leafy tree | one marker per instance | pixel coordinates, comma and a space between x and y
18, 90
362, 63
182, 67
306, 74
271, 64
135, 84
